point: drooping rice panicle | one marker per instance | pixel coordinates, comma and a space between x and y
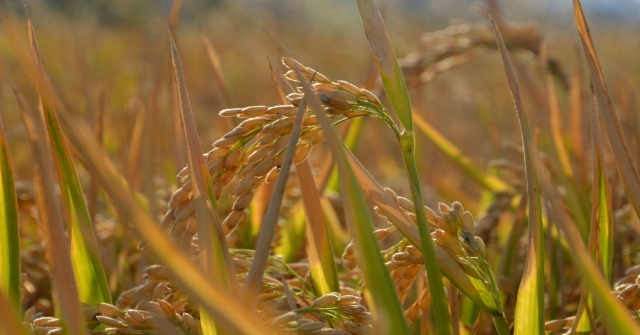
251, 153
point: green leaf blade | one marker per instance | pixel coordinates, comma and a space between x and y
58, 251
619, 143
392, 78
379, 286
9, 232
214, 256
89, 272
529, 313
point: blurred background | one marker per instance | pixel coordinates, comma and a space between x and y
113, 55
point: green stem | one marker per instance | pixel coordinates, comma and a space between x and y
436, 287
501, 325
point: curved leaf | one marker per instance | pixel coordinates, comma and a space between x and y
529, 315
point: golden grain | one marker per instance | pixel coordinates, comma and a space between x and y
245, 185
370, 96
190, 322
255, 122
243, 201
292, 63
135, 317
154, 307
177, 198
448, 242
349, 257
302, 152
46, 330
347, 299
228, 175
109, 310
253, 111
309, 132
215, 165
481, 248
230, 112
412, 313
310, 121
352, 309
469, 222
330, 331
295, 101
309, 327
393, 265
224, 142
232, 159
356, 328
283, 319
559, 324
278, 125
111, 322
332, 100
129, 331
236, 132
326, 300
405, 203
232, 220
349, 87
318, 138
167, 308
280, 108
183, 213
217, 189
424, 300
628, 292
273, 174
215, 153
160, 291
268, 139
264, 167
46, 321
323, 87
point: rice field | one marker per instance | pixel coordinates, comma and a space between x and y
295, 168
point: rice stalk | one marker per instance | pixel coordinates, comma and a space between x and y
396, 89
383, 302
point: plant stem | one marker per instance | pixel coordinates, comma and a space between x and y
436, 287
501, 325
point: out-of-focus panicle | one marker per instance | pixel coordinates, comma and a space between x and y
627, 289
159, 303
332, 313
455, 45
